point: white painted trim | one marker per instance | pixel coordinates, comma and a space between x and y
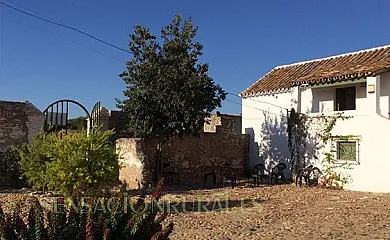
249, 95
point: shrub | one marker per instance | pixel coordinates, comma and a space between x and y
10, 171
83, 223
72, 163
34, 158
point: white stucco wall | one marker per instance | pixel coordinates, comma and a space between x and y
371, 125
266, 124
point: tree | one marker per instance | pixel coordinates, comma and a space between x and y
297, 139
169, 94
77, 123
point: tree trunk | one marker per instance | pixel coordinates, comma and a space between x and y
158, 165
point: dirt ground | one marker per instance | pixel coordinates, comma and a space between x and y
270, 212
282, 212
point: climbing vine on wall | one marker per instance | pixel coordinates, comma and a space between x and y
298, 125
297, 135
331, 175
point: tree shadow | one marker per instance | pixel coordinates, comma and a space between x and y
273, 144
274, 141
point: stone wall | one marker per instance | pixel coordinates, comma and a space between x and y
131, 158
19, 122
189, 156
228, 123
118, 121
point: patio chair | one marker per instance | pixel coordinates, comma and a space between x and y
169, 174
229, 173
310, 174
258, 173
314, 176
303, 173
278, 171
210, 173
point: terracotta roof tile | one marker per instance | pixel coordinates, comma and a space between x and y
336, 68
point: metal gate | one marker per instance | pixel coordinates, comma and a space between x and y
57, 115
95, 117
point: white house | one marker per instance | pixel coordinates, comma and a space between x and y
357, 84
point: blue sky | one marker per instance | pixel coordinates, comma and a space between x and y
242, 41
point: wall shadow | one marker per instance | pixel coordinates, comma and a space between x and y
254, 150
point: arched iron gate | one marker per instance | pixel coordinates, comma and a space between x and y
57, 115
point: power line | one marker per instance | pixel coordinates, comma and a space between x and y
87, 47
255, 100
107, 43
65, 26
265, 111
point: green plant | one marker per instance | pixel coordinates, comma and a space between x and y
34, 159
67, 222
297, 136
332, 176
169, 92
78, 123
10, 167
72, 163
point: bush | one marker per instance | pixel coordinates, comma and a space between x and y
34, 160
10, 171
81, 223
72, 163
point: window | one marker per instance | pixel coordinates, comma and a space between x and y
347, 151
345, 98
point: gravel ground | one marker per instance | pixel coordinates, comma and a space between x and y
269, 212
282, 212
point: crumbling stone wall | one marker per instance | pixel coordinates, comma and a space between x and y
19, 122
118, 121
190, 156
131, 159
230, 123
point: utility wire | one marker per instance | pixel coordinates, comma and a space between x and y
265, 111
64, 26
255, 100
87, 47
113, 46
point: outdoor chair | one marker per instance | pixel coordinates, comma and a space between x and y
212, 174
314, 176
229, 173
310, 174
258, 173
278, 171
168, 174
303, 173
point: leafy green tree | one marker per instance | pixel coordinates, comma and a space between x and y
169, 93
77, 123
10, 167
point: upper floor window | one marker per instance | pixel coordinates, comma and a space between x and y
345, 98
